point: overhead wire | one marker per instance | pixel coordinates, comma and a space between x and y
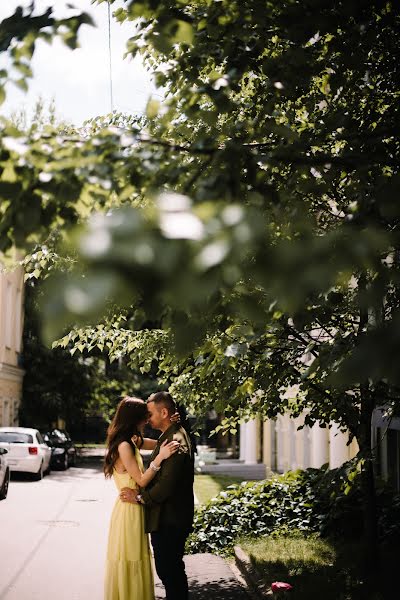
110, 66
110, 56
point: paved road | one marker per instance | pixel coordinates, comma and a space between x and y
53, 536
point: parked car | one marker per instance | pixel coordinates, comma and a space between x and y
63, 451
4, 474
27, 450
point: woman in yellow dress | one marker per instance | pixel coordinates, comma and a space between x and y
129, 573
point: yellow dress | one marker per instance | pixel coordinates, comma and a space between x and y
129, 574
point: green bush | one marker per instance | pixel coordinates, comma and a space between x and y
315, 500
285, 502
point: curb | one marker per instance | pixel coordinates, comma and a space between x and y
250, 574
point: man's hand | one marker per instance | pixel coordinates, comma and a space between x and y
176, 418
129, 495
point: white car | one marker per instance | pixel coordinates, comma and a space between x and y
4, 474
27, 450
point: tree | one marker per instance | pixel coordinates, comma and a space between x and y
61, 382
56, 384
281, 125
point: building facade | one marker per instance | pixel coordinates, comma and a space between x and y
11, 327
281, 446
386, 441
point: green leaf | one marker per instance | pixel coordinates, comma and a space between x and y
152, 108
183, 34
21, 84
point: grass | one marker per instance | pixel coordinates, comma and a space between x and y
294, 553
209, 486
316, 568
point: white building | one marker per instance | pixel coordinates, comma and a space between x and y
11, 325
282, 447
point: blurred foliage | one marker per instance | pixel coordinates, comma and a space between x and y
55, 384
59, 384
248, 227
280, 123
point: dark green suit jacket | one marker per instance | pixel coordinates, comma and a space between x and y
169, 496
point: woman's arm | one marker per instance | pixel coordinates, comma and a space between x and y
148, 444
130, 463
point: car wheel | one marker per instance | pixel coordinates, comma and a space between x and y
48, 470
65, 463
39, 475
4, 487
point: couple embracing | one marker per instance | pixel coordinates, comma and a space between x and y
158, 501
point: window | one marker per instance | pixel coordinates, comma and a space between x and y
393, 457
18, 319
39, 438
9, 312
6, 413
12, 437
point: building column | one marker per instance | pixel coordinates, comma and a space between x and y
306, 447
283, 444
250, 450
242, 442
338, 449
319, 446
269, 453
292, 445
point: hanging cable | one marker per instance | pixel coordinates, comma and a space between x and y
109, 56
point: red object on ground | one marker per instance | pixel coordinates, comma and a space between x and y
281, 586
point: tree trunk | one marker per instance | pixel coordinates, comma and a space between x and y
371, 548
367, 400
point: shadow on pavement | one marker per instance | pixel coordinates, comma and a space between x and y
210, 578
217, 591
220, 590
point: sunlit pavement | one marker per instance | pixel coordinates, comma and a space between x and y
53, 536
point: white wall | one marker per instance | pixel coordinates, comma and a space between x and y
287, 448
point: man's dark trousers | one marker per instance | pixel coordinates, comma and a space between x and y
169, 546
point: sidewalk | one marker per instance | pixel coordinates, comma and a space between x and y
209, 462
236, 468
210, 578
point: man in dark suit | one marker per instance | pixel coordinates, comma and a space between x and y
168, 499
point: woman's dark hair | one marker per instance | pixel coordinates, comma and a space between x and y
130, 412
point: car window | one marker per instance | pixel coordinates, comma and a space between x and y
39, 438
13, 437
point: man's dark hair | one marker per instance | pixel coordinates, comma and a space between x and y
163, 399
